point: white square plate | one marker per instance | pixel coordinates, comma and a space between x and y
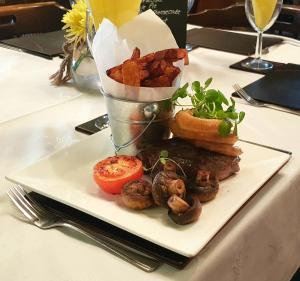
66, 176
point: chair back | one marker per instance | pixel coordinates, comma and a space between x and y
19, 19
288, 22
234, 17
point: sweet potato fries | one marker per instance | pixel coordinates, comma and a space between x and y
152, 70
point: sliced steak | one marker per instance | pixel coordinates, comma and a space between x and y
190, 158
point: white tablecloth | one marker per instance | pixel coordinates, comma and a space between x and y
261, 242
25, 86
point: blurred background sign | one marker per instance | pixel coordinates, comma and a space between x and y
173, 13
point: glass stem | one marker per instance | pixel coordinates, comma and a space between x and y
258, 50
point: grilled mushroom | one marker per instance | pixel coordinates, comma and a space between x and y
177, 205
166, 184
206, 186
137, 194
184, 212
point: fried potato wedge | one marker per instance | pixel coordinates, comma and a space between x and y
160, 81
147, 58
172, 55
131, 73
136, 54
116, 73
152, 70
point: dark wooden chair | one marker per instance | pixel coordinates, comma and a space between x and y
200, 5
19, 19
234, 18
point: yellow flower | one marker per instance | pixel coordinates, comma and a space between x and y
75, 21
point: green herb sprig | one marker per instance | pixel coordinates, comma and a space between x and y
211, 104
163, 158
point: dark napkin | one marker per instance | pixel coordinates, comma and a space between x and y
47, 45
93, 126
279, 87
98, 226
276, 66
227, 41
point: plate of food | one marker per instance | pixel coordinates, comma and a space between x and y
220, 185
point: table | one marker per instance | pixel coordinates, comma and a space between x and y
23, 88
261, 242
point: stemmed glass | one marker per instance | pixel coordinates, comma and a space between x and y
261, 14
190, 5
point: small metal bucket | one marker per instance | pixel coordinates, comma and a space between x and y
135, 124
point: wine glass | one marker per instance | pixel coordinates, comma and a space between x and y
190, 5
261, 14
117, 11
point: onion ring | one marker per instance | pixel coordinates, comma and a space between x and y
201, 136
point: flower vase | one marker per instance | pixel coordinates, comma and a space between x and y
83, 68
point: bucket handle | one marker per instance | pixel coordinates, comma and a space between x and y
150, 111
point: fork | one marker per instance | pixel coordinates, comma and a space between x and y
45, 219
243, 94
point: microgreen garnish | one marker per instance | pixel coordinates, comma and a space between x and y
211, 104
163, 158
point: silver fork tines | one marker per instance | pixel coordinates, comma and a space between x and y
243, 94
45, 219
19, 201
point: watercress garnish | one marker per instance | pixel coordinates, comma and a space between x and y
163, 156
162, 159
211, 104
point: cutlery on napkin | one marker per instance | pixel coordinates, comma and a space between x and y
279, 88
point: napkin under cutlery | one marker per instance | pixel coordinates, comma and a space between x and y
98, 226
280, 88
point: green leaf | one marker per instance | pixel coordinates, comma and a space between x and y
225, 128
211, 95
232, 115
207, 82
222, 98
230, 109
164, 154
202, 114
232, 102
220, 114
180, 93
167, 104
241, 116
199, 96
196, 86
163, 161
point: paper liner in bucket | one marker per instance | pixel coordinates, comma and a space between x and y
112, 46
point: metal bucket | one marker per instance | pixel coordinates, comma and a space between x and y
136, 124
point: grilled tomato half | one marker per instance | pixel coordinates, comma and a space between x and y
113, 172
